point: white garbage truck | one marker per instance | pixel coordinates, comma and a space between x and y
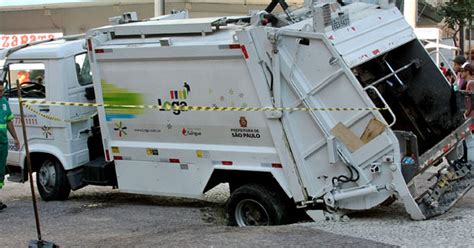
326, 107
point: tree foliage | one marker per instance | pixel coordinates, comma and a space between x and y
457, 14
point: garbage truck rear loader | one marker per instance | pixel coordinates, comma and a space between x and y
377, 112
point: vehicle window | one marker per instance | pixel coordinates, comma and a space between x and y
30, 76
83, 69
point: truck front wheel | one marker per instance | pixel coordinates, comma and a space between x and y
256, 205
52, 182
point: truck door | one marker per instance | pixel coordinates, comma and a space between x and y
31, 78
80, 89
53, 129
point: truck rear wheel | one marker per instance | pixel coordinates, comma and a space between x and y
256, 205
52, 182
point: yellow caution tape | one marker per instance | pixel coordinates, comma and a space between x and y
54, 118
192, 108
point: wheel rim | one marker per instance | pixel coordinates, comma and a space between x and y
47, 176
251, 213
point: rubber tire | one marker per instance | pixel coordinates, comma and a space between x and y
61, 189
274, 202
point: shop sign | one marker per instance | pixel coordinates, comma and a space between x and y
12, 40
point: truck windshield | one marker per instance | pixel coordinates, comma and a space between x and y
83, 69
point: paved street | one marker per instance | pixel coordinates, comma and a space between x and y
101, 217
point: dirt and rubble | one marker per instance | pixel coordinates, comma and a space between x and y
391, 224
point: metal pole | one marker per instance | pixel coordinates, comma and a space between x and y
28, 161
437, 47
471, 28
391, 74
461, 35
461, 40
470, 45
410, 10
159, 7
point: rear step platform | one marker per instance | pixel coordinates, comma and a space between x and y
451, 181
451, 185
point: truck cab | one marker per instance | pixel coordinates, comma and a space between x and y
52, 71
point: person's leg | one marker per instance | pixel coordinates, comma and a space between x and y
3, 162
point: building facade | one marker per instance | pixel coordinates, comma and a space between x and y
74, 17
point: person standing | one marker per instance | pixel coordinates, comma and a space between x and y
443, 69
450, 76
458, 62
467, 71
6, 118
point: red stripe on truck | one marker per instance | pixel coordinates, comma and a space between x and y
89, 44
471, 127
244, 51
277, 165
446, 148
234, 46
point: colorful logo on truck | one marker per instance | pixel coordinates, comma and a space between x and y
114, 95
191, 132
177, 98
47, 132
120, 129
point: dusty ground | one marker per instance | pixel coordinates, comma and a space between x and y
392, 224
101, 217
